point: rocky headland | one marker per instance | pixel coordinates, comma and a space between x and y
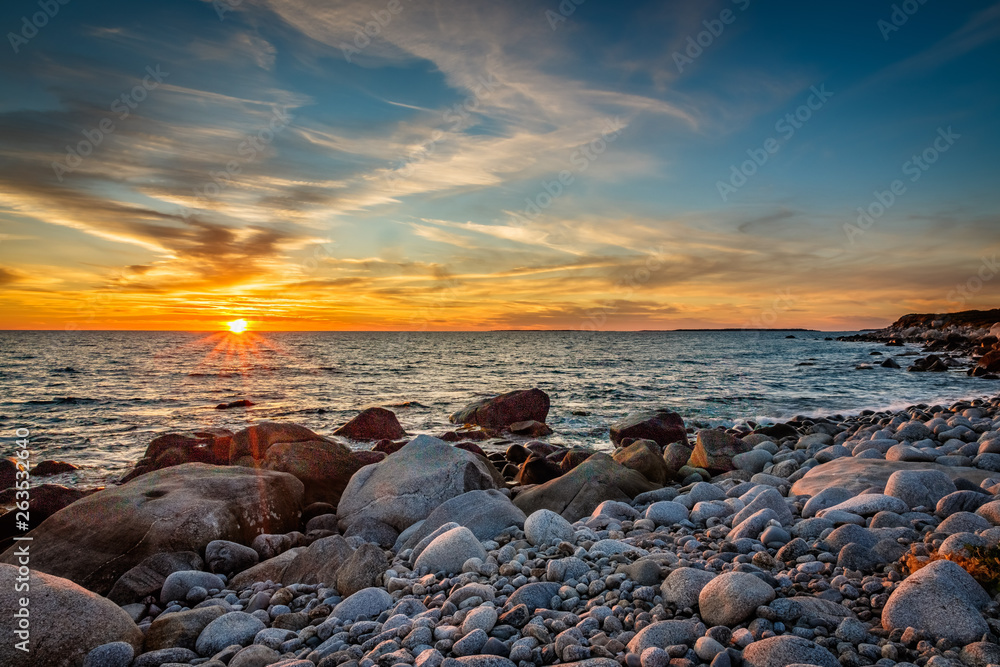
969, 339
861, 540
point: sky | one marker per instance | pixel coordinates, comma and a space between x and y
438, 165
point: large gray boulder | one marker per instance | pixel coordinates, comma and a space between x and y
448, 551
787, 650
486, 513
940, 600
682, 587
578, 492
408, 485
661, 426
99, 538
65, 621
857, 475
732, 597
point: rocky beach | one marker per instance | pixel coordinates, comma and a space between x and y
862, 540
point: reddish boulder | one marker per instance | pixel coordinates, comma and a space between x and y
324, 468
644, 456
530, 428
715, 449
573, 458
990, 362
372, 424
471, 447
251, 444
367, 458
661, 426
537, 470
388, 446
47, 468
506, 409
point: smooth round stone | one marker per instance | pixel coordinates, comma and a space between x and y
666, 513
545, 526
177, 584
941, 600
236, 627
732, 597
787, 650
707, 648
481, 618
775, 534
115, 654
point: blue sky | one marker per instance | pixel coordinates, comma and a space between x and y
415, 183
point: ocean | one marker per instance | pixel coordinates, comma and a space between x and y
96, 398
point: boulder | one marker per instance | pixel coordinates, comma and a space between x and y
50, 467
683, 586
449, 551
857, 475
506, 409
661, 426
97, 539
229, 558
323, 467
45, 500
8, 472
318, 564
252, 443
676, 455
272, 568
714, 450
578, 492
368, 603
180, 629
731, 598
941, 600
537, 469
408, 485
644, 456
66, 621
787, 650
147, 577
372, 424
530, 428
547, 527
486, 513
177, 585
235, 627
361, 570
662, 634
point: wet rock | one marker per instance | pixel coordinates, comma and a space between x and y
661, 426
506, 409
372, 424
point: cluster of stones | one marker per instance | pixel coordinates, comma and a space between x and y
954, 339
816, 542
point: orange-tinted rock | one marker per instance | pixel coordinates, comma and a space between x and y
505, 409
372, 424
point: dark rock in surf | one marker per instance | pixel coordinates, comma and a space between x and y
506, 409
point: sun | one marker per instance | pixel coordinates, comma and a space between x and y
237, 326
